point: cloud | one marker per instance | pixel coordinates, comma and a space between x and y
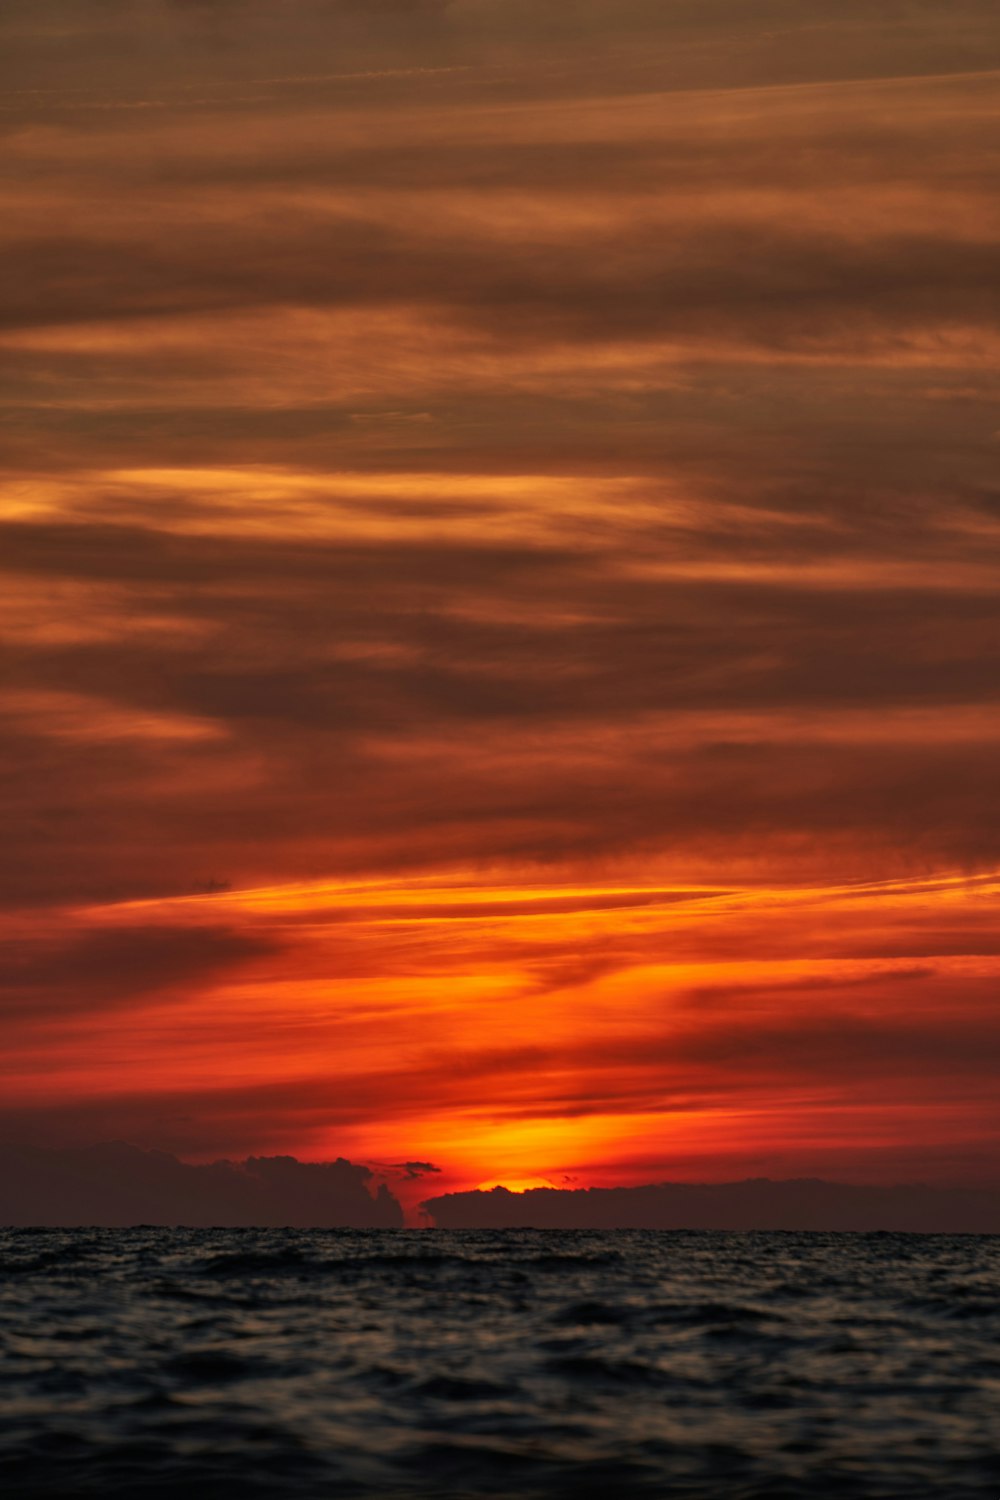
652, 273
686, 710
118, 1185
92, 971
711, 42
752, 1205
545, 453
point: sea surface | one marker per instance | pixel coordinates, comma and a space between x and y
228, 1363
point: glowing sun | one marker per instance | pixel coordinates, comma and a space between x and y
515, 1184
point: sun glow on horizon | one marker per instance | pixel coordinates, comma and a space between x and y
499, 586
515, 1184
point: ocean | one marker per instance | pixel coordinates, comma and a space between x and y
289, 1363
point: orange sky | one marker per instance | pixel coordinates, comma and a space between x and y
499, 585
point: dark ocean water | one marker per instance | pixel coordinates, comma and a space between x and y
219, 1363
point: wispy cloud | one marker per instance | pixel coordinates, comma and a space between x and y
500, 541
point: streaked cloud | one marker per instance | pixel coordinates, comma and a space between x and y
499, 534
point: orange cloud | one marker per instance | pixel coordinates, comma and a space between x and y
499, 551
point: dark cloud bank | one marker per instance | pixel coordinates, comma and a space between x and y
117, 1185
758, 1204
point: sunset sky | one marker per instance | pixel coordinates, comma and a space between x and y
500, 585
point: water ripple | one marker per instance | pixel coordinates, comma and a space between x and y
201, 1363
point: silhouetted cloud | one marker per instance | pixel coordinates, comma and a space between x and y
118, 1185
760, 1204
